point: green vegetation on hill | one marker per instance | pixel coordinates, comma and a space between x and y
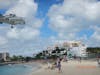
93, 49
54, 53
93, 52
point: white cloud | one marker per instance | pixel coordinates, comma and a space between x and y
23, 8
25, 33
4, 4
96, 35
73, 16
3, 41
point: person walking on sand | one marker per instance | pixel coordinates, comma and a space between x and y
80, 59
59, 65
98, 61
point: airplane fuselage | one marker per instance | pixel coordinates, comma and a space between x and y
11, 19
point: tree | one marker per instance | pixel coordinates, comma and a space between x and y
21, 58
93, 49
39, 55
28, 59
14, 58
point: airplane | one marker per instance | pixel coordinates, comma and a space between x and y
11, 19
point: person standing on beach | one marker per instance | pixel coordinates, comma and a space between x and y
80, 59
59, 65
65, 58
98, 61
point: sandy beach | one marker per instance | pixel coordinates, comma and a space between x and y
72, 68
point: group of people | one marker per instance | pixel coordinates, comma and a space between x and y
56, 64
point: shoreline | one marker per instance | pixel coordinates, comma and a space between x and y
7, 63
17, 62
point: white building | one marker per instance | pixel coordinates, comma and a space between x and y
4, 56
75, 48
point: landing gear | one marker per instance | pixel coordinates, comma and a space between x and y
12, 26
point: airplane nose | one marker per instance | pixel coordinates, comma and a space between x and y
12, 26
24, 22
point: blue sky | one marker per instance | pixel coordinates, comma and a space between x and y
43, 8
47, 22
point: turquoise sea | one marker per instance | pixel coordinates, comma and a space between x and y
18, 69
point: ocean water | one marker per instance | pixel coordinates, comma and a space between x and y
18, 69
